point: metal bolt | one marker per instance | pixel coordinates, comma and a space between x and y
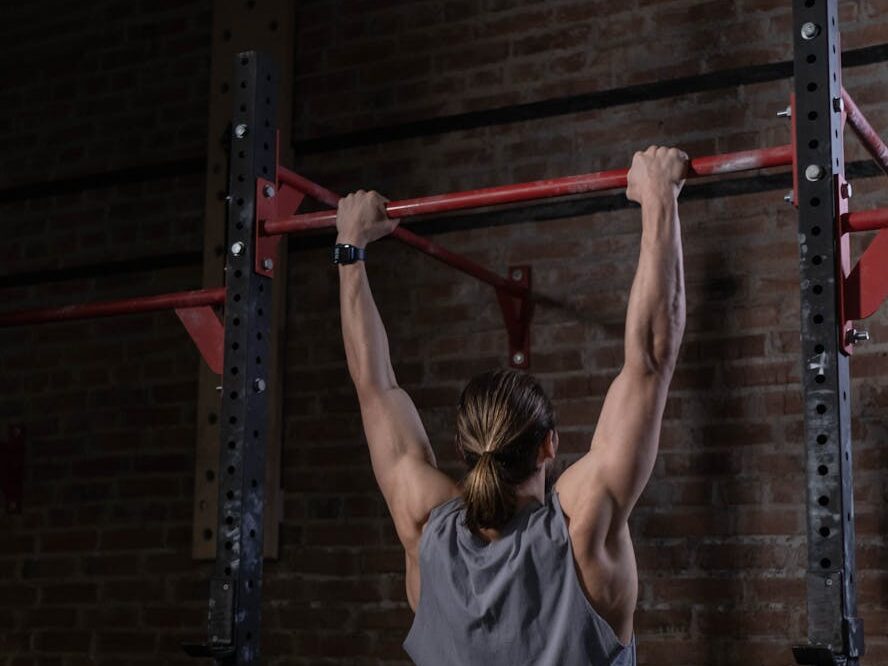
259, 385
240, 131
789, 197
856, 336
517, 274
838, 104
268, 264
219, 388
785, 113
810, 30
518, 358
814, 172
268, 191
846, 191
237, 249
225, 586
829, 582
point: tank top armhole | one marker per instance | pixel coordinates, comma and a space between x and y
434, 516
594, 614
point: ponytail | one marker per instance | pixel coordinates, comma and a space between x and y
502, 419
489, 499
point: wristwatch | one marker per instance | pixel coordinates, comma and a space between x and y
343, 253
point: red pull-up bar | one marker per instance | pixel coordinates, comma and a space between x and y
541, 189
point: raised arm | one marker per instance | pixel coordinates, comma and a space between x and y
603, 486
402, 458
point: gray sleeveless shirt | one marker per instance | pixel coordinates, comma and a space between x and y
513, 601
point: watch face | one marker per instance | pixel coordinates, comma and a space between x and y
344, 254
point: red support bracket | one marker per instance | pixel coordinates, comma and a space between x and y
517, 314
866, 287
207, 333
12, 468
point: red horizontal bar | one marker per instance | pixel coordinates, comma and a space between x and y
540, 189
182, 299
866, 220
865, 132
426, 246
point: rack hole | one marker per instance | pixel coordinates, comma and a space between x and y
211, 475
236, 321
254, 483
252, 534
238, 273
818, 349
825, 562
232, 420
229, 520
821, 408
813, 143
230, 494
823, 500
817, 260
258, 360
207, 534
815, 201
812, 115
232, 445
818, 319
820, 379
817, 289
244, 61
815, 231
812, 87
235, 346
821, 439
234, 370
228, 545
227, 571
237, 298
811, 58
824, 532
822, 470
233, 395
231, 469
243, 84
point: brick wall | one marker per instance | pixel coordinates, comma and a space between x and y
98, 568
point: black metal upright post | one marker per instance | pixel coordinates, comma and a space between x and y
235, 594
834, 632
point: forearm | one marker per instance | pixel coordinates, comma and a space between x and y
655, 316
363, 333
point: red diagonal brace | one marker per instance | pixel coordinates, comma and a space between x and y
517, 313
207, 333
12, 468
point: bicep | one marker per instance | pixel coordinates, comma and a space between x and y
403, 461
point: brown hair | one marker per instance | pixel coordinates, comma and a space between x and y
502, 419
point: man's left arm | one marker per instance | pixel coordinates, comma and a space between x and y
402, 457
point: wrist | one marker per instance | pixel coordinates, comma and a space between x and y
351, 239
660, 195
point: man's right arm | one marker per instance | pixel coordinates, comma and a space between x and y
601, 489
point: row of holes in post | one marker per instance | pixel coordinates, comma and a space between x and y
817, 289
235, 279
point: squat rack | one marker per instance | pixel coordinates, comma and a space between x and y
262, 199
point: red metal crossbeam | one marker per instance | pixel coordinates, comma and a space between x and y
182, 299
865, 132
540, 189
867, 220
192, 308
513, 295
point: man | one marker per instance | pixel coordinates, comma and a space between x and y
497, 570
